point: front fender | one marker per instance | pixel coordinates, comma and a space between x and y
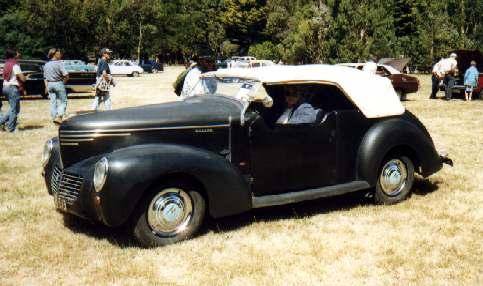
133, 170
396, 134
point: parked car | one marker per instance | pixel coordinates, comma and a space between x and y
151, 66
78, 65
464, 59
161, 169
125, 67
402, 83
79, 81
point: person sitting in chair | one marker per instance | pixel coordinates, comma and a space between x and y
297, 111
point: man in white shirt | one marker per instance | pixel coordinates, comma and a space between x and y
444, 70
297, 111
191, 86
370, 67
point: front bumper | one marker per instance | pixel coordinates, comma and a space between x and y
445, 159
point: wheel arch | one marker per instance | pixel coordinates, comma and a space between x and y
396, 135
142, 168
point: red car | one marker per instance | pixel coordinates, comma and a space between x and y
402, 83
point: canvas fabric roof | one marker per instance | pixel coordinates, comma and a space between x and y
372, 94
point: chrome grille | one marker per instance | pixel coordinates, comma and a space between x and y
66, 186
55, 180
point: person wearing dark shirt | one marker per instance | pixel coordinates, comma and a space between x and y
104, 81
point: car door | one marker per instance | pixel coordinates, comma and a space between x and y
35, 85
292, 157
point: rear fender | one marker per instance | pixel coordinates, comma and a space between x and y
396, 135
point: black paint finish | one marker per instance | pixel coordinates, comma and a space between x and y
203, 140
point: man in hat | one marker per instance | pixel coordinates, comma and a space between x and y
445, 70
104, 81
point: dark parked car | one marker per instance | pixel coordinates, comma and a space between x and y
402, 83
79, 81
151, 66
160, 169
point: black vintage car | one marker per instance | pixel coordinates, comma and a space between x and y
161, 169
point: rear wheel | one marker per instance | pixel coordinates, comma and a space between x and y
402, 95
396, 178
170, 214
155, 71
135, 74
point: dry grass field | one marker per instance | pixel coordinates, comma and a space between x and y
434, 238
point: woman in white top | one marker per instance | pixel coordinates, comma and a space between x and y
13, 80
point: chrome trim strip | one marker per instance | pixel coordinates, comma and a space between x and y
144, 129
95, 135
76, 140
229, 139
69, 144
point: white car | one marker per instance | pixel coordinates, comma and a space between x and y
125, 67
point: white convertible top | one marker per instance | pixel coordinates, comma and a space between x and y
372, 94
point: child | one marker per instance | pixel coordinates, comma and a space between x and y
471, 80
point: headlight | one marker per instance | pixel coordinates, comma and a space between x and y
48, 147
100, 173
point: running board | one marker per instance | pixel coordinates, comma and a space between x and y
310, 194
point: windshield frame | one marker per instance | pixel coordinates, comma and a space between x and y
242, 97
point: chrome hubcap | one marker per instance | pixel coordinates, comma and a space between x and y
169, 212
393, 177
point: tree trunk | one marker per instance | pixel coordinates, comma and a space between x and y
140, 39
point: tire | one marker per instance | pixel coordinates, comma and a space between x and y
44, 95
395, 180
154, 71
159, 220
135, 74
402, 95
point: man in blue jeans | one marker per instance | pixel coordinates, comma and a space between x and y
55, 76
13, 80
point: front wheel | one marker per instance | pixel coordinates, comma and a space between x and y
135, 74
396, 178
169, 215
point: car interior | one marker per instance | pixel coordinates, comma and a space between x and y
326, 98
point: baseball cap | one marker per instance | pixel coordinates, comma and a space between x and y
105, 51
453, 55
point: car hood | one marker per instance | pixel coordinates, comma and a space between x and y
194, 111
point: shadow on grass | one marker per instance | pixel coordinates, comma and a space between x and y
121, 238
69, 95
116, 236
423, 187
30, 127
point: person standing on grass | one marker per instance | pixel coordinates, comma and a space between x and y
104, 81
55, 76
13, 81
190, 85
445, 70
471, 80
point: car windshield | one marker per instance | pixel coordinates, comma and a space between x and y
238, 88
